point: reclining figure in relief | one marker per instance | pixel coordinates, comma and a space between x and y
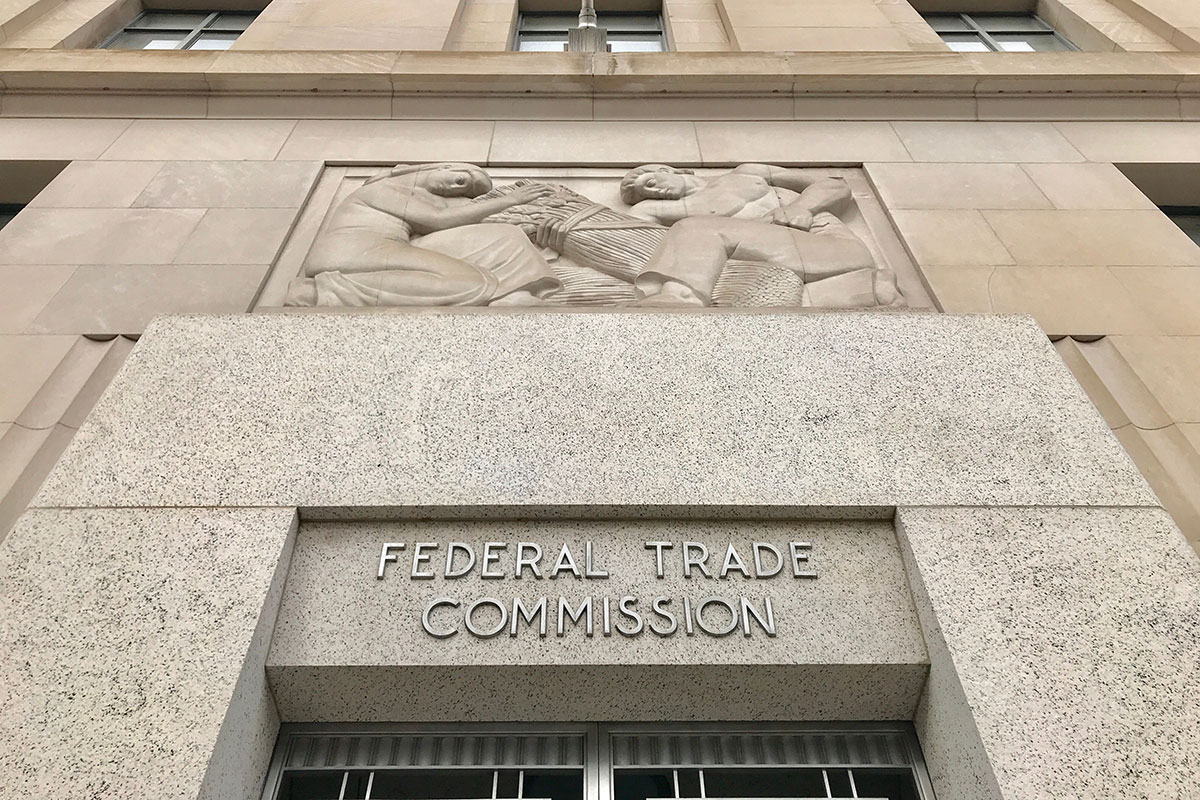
756, 236
755, 215
369, 256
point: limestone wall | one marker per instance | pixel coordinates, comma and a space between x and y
709, 25
168, 216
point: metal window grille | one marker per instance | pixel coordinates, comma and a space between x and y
627, 33
597, 762
181, 30
1008, 33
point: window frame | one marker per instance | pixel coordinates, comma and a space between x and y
987, 36
207, 25
842, 745
571, 18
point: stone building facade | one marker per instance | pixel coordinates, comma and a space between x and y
180, 516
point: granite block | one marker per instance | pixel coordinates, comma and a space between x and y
599, 409
132, 647
567, 693
1064, 652
851, 630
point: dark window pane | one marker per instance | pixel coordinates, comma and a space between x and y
233, 22
946, 23
1188, 221
429, 784
168, 19
641, 785
548, 22
764, 783
554, 785
1010, 23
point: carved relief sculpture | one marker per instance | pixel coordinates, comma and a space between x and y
440, 235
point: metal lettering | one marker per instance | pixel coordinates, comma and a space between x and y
797, 557
425, 623
453, 548
658, 554
385, 557
421, 557
519, 612
490, 558
748, 611
728, 606
565, 561
564, 612
659, 605
689, 561
625, 605
759, 570
469, 620
733, 561
588, 569
532, 563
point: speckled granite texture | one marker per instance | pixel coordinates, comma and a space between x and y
132, 646
848, 645
838, 409
1065, 652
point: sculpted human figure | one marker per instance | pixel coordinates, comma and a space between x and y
759, 214
370, 254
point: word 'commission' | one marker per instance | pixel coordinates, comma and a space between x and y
627, 616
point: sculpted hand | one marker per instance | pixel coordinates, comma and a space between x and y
529, 193
798, 218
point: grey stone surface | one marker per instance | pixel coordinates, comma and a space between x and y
230, 184
132, 646
567, 693
849, 409
847, 643
237, 236
1063, 647
97, 235
123, 299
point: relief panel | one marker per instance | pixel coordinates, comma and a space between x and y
654, 236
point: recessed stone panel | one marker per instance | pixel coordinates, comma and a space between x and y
793, 619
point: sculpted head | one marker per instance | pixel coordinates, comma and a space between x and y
447, 179
656, 182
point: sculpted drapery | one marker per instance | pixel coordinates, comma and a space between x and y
442, 235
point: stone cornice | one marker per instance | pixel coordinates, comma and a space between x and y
1111, 76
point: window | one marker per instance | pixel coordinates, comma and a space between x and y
178, 30
1187, 218
627, 33
880, 761
1009, 33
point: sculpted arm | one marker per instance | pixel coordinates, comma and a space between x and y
664, 212
427, 217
